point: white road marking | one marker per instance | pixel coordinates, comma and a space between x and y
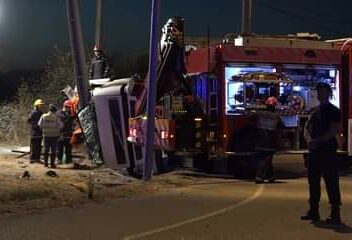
254, 196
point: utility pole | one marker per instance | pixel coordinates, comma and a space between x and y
99, 23
77, 48
246, 17
149, 154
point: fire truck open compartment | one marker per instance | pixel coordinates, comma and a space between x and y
295, 94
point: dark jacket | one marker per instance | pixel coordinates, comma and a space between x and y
319, 122
267, 127
33, 119
67, 121
99, 67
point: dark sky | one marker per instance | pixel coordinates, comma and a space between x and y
30, 28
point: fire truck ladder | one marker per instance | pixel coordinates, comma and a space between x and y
213, 112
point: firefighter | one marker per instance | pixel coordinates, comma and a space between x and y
320, 133
51, 126
267, 124
99, 67
65, 115
35, 131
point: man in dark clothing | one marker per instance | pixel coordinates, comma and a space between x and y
99, 67
320, 132
64, 145
35, 131
267, 123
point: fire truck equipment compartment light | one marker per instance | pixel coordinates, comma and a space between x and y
296, 88
332, 73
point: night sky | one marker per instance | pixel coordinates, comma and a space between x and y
30, 28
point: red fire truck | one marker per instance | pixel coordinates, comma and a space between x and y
234, 78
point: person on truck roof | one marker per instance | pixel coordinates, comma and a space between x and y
99, 67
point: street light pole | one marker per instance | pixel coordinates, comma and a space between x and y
246, 17
149, 154
77, 48
99, 23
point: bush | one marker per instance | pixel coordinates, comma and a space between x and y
13, 115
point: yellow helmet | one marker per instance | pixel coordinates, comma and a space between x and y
38, 102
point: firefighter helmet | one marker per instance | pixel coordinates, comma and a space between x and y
38, 102
97, 47
271, 101
68, 103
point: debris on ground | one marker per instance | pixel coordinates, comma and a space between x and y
25, 175
22, 164
51, 173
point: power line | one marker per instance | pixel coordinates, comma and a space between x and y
312, 14
298, 16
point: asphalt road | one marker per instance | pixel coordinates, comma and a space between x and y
217, 208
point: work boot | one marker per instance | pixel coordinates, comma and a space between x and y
259, 180
312, 214
334, 218
271, 180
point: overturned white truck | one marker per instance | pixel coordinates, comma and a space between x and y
114, 102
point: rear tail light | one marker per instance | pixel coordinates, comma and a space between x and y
133, 132
164, 134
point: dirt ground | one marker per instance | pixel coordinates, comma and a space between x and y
71, 187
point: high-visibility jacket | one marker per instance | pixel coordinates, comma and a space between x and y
50, 124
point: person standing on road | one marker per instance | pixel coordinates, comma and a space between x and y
320, 132
35, 131
266, 140
64, 145
51, 126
